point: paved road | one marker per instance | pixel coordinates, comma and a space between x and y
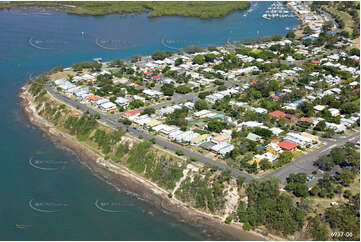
305, 162
188, 153
112, 121
179, 98
302, 164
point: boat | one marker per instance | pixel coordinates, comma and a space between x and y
265, 16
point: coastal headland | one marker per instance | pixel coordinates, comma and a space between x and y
122, 177
86, 108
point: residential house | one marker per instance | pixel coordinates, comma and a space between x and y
334, 112
131, 113
300, 140
287, 145
221, 139
277, 114
253, 137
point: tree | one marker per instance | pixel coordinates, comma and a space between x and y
284, 158
193, 49
318, 230
290, 35
201, 104
267, 206
346, 177
148, 111
183, 89
136, 103
307, 30
117, 63
228, 220
216, 126
199, 59
276, 37
209, 57
125, 121
135, 58
349, 108
347, 194
240, 180
297, 184
266, 133
178, 61
203, 95
320, 126
265, 164
160, 55
327, 26
297, 178
355, 51
167, 89
247, 226
212, 48
179, 152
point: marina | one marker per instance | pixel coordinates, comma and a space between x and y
277, 10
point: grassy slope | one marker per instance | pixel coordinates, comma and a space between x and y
187, 9
347, 19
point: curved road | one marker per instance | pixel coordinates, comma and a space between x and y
301, 164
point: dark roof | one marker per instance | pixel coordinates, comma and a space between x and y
207, 145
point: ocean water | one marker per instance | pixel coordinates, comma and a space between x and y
46, 193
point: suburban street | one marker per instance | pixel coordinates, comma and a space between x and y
305, 162
302, 164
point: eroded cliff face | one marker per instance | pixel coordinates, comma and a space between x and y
207, 190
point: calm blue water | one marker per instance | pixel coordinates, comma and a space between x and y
73, 190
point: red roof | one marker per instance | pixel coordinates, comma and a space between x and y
254, 82
277, 114
93, 98
316, 62
357, 60
148, 73
287, 145
356, 90
130, 113
157, 77
307, 119
275, 141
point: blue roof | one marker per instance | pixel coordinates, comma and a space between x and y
278, 94
308, 37
298, 101
331, 32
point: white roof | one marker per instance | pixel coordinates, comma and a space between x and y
108, 105
201, 113
152, 92
252, 124
220, 146
226, 150
60, 81
122, 100
276, 131
319, 107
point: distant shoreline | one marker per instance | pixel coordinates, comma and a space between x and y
202, 10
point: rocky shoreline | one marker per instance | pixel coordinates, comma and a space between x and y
122, 178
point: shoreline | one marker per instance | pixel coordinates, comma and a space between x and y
152, 11
122, 178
